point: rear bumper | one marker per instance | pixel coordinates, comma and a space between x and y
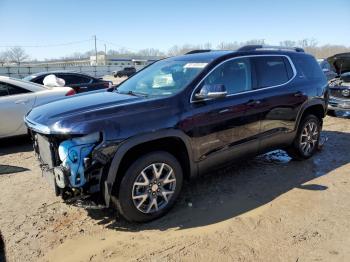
339, 104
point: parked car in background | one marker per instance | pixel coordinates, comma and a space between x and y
339, 86
78, 81
327, 69
17, 97
176, 119
127, 71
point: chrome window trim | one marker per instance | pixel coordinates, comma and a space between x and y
250, 91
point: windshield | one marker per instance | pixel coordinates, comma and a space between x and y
162, 78
28, 78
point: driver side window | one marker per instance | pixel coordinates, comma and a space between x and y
235, 75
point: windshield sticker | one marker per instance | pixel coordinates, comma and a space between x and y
195, 65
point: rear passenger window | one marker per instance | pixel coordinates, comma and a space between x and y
309, 68
272, 71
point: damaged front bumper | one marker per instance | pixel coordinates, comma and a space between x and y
73, 166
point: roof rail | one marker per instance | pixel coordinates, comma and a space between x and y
268, 47
197, 51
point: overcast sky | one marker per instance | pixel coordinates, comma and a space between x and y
161, 24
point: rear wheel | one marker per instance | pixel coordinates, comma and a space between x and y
150, 187
307, 139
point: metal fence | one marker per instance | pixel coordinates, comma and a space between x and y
22, 71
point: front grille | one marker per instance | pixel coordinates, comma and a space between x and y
46, 154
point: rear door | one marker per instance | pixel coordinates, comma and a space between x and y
15, 102
278, 99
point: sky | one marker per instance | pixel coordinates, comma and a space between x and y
48, 29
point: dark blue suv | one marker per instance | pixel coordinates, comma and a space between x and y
176, 119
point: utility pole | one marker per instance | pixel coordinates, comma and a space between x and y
105, 49
95, 48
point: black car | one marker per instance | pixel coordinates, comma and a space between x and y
78, 81
177, 119
127, 71
340, 85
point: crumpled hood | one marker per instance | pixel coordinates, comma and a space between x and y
75, 114
341, 62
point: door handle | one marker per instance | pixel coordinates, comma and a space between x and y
253, 102
224, 111
21, 101
299, 94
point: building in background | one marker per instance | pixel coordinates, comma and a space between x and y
104, 65
134, 60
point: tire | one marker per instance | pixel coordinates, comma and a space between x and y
331, 112
300, 150
142, 196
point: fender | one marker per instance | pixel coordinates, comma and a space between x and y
308, 104
126, 145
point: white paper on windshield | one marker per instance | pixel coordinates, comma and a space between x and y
195, 65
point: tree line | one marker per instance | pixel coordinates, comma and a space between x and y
18, 54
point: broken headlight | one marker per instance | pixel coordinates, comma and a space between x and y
72, 153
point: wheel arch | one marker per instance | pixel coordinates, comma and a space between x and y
172, 141
315, 107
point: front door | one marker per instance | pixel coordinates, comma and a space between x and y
223, 128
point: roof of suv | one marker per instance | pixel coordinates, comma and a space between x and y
210, 55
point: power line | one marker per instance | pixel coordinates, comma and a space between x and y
114, 44
48, 45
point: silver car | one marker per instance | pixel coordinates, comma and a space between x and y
18, 97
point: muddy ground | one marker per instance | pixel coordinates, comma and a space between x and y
264, 209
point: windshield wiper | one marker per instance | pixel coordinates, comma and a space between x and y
133, 93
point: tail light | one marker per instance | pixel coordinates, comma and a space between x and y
71, 92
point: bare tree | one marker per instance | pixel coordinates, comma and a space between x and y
180, 50
16, 54
150, 52
228, 46
307, 43
255, 42
3, 58
288, 43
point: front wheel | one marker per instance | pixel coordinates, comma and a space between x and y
150, 187
307, 139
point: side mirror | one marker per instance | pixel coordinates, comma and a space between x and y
211, 91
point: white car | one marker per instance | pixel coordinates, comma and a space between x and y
18, 97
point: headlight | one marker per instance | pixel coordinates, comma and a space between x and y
72, 153
346, 92
71, 147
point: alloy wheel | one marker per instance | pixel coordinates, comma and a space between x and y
153, 188
309, 138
